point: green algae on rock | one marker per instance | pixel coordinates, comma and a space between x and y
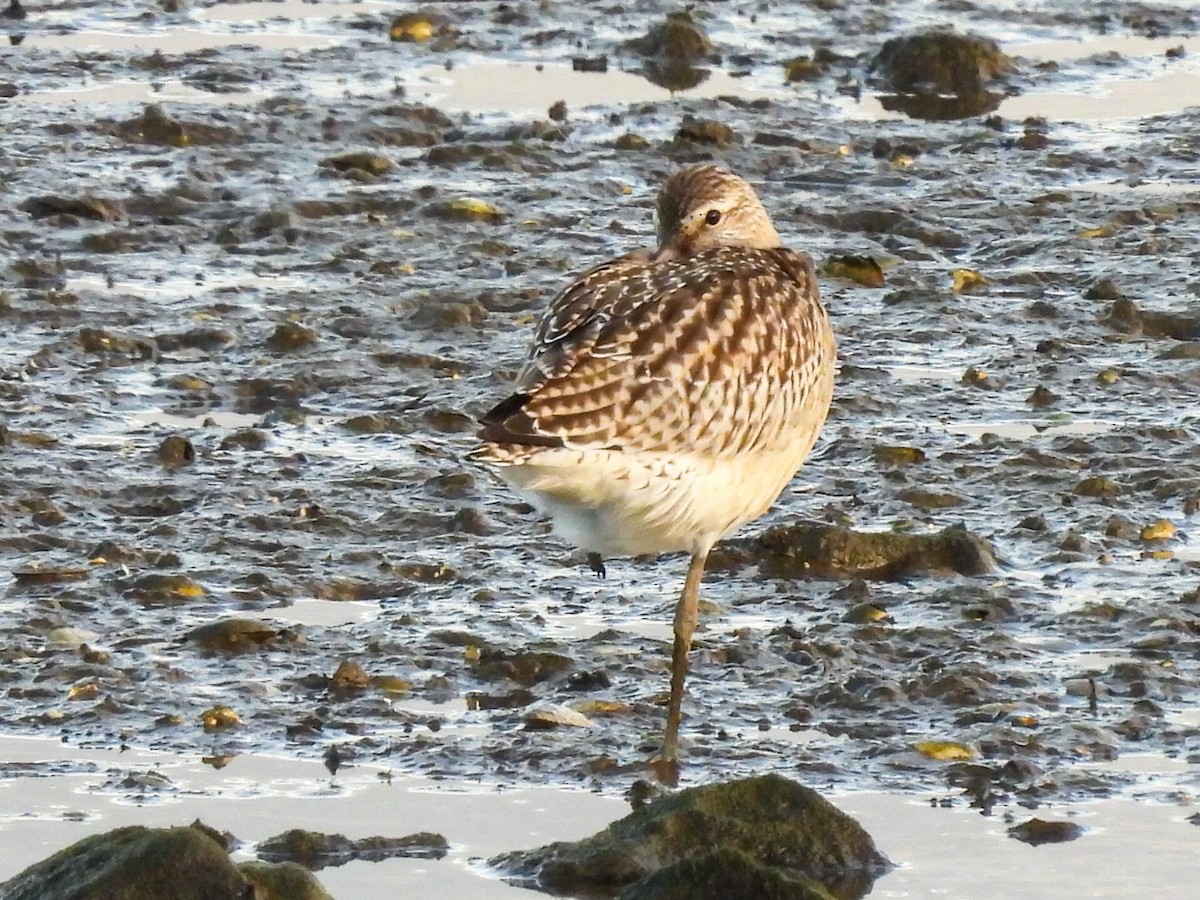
766, 831
939, 62
136, 863
809, 550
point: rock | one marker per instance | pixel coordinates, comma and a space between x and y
156, 126
863, 270
677, 37
349, 677
1104, 289
723, 874
158, 589
137, 863
290, 337
1126, 317
236, 635
939, 62
589, 63
219, 718
705, 131
465, 209
377, 424
102, 342
804, 68
1159, 530
283, 881
84, 207
245, 439
826, 551
314, 850
549, 716
370, 163
1040, 831
415, 27
1041, 397
176, 451
897, 456
766, 833
1098, 486
525, 667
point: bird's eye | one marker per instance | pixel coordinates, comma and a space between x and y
713, 217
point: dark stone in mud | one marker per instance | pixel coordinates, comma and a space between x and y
827, 551
1041, 831
85, 207
525, 667
1098, 486
804, 68
314, 850
290, 337
723, 874
1104, 289
939, 62
207, 339
349, 677
1126, 317
134, 863
678, 37
156, 126
176, 451
100, 341
377, 424
705, 131
370, 163
237, 635
245, 439
156, 589
281, 881
767, 832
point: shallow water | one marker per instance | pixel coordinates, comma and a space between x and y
939, 851
373, 542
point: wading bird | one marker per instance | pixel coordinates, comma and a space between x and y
669, 398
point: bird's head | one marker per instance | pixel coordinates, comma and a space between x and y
703, 207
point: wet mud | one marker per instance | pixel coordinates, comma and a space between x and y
258, 285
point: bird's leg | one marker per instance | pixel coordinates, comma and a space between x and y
686, 616
596, 563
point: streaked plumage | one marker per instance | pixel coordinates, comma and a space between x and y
669, 398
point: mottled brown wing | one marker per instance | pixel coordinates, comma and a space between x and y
712, 354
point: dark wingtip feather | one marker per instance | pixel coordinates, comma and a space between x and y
508, 423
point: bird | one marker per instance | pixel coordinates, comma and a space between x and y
669, 396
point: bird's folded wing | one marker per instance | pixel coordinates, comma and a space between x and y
708, 355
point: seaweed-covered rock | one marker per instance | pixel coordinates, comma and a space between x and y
1127, 317
137, 863
723, 874
826, 551
767, 835
674, 50
282, 881
677, 37
939, 62
940, 74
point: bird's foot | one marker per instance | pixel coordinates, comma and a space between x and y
596, 563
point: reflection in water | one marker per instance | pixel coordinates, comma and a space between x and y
674, 75
942, 107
